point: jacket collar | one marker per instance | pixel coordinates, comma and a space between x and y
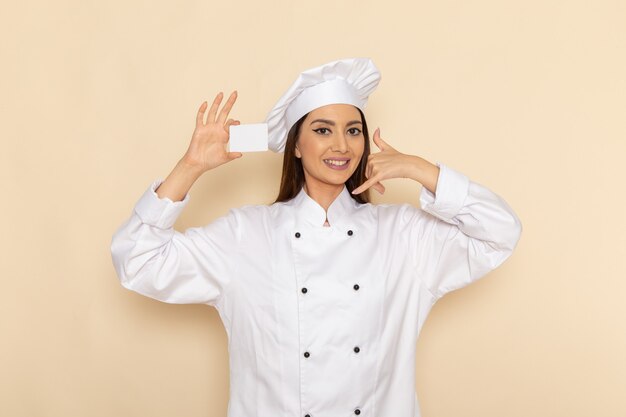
309, 211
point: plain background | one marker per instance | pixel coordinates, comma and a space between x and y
99, 99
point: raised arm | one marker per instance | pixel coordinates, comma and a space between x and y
152, 258
462, 231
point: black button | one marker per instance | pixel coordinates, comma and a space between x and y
356, 287
350, 232
357, 411
304, 290
298, 234
356, 349
307, 354
307, 415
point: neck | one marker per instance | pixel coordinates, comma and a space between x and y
323, 194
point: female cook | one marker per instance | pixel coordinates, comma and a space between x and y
321, 293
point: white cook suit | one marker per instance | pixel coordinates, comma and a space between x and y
321, 321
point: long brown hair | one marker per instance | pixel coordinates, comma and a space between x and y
292, 179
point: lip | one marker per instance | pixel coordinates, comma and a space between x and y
337, 167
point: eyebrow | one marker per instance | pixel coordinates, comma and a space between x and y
330, 122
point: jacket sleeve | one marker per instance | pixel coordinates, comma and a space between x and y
462, 232
153, 259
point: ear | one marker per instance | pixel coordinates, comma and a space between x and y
297, 151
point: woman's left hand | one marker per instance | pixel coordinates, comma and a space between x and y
386, 164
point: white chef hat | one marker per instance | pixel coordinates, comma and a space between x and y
346, 81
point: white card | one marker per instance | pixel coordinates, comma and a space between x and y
248, 138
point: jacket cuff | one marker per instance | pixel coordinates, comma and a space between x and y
452, 189
159, 212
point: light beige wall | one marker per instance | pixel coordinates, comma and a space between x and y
99, 98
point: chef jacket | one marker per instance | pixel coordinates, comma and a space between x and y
321, 321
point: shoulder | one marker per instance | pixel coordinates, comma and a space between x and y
393, 211
257, 212
393, 216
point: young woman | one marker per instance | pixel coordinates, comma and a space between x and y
322, 294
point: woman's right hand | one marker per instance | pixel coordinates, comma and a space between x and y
207, 149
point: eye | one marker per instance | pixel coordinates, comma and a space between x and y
354, 131
319, 130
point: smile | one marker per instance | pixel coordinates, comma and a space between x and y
336, 163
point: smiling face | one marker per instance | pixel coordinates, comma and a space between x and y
330, 145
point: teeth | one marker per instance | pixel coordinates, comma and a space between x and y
333, 162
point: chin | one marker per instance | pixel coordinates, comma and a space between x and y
339, 180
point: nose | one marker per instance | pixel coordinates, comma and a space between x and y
340, 143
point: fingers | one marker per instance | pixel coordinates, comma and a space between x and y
372, 167
373, 181
377, 140
382, 145
200, 115
212, 116
379, 187
234, 155
231, 122
358, 190
367, 184
226, 109
214, 106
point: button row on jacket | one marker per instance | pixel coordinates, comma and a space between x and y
356, 350
356, 411
350, 233
305, 290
